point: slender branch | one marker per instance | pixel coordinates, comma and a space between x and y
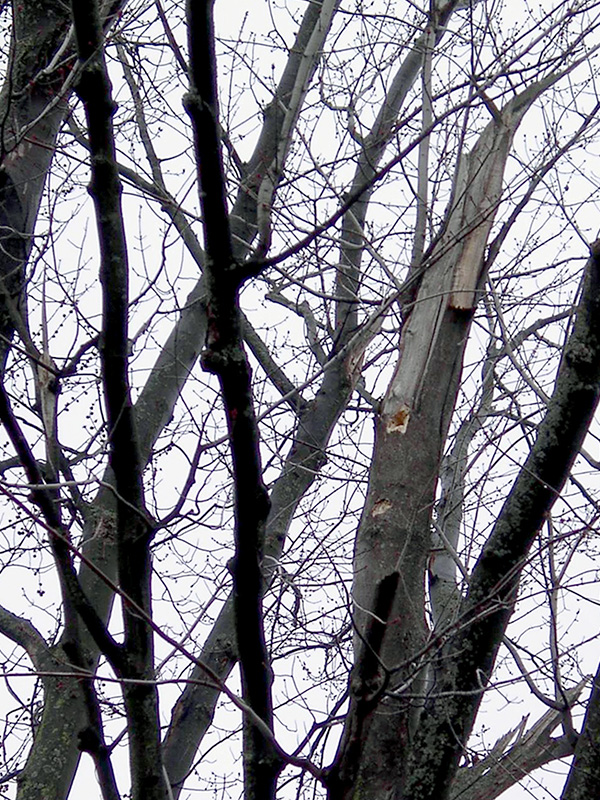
74, 598
95, 91
225, 357
159, 190
424, 146
134, 531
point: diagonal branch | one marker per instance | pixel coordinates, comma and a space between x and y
486, 610
26, 635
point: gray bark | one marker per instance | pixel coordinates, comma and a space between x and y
394, 533
402, 737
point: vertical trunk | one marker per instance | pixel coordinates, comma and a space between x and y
394, 536
394, 533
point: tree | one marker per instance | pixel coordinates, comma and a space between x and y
367, 216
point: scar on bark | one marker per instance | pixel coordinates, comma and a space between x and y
398, 422
380, 507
